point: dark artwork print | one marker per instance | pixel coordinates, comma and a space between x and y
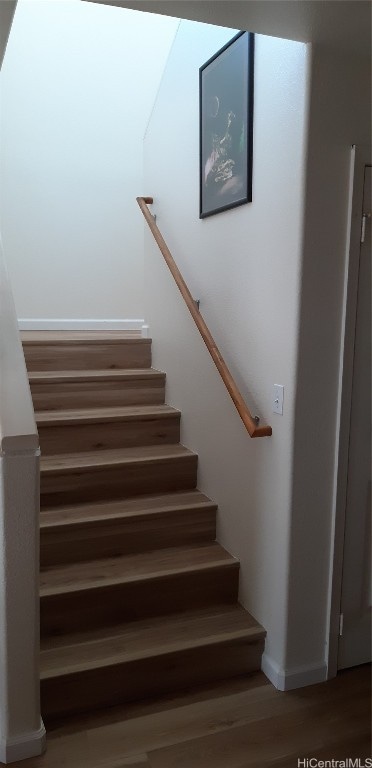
226, 126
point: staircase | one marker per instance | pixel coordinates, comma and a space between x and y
136, 596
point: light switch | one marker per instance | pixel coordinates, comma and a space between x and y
278, 399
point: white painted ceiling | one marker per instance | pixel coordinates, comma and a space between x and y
341, 24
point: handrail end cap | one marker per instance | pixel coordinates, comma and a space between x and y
264, 431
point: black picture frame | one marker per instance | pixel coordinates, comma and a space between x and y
226, 83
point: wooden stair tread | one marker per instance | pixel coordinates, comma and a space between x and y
105, 374
39, 337
146, 639
101, 415
81, 576
75, 462
135, 507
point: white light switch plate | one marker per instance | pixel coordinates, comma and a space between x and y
278, 398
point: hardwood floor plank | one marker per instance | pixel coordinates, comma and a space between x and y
179, 721
238, 724
188, 723
136, 761
292, 735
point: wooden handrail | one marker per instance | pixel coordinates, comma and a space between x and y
248, 420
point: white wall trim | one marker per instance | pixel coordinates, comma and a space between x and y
297, 677
82, 324
23, 746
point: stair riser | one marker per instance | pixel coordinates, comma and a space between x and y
90, 484
57, 439
68, 544
47, 397
137, 600
154, 676
81, 356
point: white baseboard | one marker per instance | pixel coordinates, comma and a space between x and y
298, 677
23, 746
55, 324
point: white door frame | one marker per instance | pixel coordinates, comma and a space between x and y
360, 157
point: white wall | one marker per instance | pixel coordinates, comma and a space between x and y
245, 266
77, 86
270, 277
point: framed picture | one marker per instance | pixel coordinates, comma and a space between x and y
226, 126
